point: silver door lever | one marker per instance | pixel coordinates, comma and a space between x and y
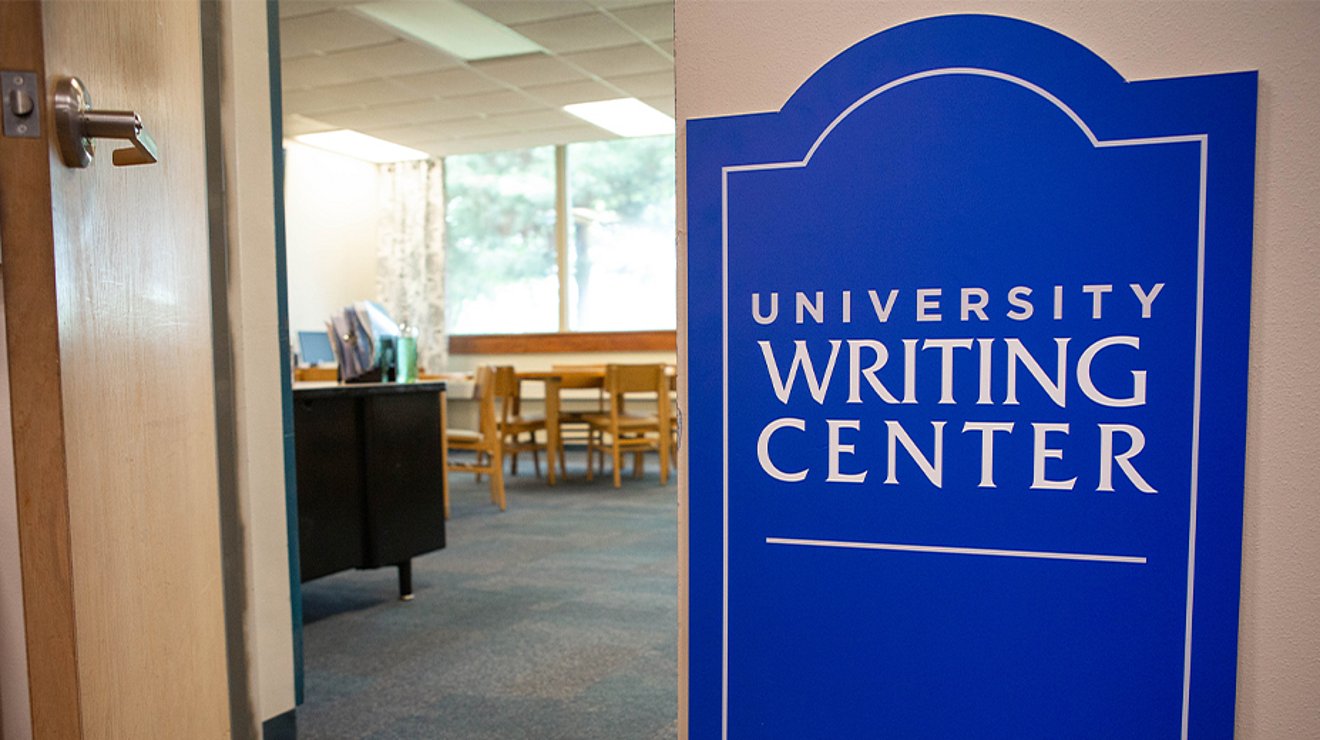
76, 125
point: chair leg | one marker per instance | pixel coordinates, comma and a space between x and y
444, 492
638, 465
591, 452
614, 448
497, 481
513, 463
662, 449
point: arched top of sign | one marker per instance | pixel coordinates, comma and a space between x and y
976, 72
1105, 107
1015, 48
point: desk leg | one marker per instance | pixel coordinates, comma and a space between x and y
552, 441
405, 581
444, 450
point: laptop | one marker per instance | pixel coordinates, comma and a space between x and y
314, 348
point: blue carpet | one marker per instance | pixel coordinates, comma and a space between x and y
554, 619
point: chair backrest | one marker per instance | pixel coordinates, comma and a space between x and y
650, 379
508, 393
486, 392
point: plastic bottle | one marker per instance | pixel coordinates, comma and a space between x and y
406, 355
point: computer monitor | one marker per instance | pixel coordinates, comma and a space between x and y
314, 348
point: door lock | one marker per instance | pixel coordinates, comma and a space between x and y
22, 115
76, 125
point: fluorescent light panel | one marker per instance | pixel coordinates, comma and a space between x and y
623, 116
360, 146
451, 27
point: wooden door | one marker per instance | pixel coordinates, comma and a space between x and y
107, 297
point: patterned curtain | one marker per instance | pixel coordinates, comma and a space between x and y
410, 265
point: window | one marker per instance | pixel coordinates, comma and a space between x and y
505, 252
621, 251
500, 257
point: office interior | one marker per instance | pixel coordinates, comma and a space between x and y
743, 57
491, 212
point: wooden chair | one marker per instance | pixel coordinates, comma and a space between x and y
573, 426
631, 431
485, 442
513, 424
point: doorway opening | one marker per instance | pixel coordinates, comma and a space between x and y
499, 176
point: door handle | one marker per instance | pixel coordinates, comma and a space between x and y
76, 125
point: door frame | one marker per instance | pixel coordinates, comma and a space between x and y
40, 463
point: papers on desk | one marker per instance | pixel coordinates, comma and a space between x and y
355, 333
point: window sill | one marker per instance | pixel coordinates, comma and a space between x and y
593, 341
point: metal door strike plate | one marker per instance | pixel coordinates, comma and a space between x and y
22, 104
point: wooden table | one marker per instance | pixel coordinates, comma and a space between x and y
555, 381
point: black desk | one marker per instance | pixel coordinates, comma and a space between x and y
370, 476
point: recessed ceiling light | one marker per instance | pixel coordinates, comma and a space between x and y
623, 116
360, 146
450, 26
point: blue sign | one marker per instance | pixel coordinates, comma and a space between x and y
967, 337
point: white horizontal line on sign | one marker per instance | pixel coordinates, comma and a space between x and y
1035, 554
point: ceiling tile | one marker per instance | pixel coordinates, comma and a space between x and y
510, 12
296, 125
655, 22
327, 32
651, 84
318, 71
621, 60
532, 122
581, 133
343, 97
578, 33
516, 141
485, 129
358, 119
662, 103
344, 71
504, 101
612, 4
425, 111
532, 69
418, 134
292, 8
458, 81
395, 58
412, 112
572, 92
308, 102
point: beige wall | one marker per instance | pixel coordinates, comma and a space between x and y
330, 227
741, 57
253, 316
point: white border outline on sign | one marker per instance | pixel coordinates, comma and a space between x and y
944, 550
1201, 139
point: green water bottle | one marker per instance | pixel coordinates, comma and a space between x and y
406, 355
